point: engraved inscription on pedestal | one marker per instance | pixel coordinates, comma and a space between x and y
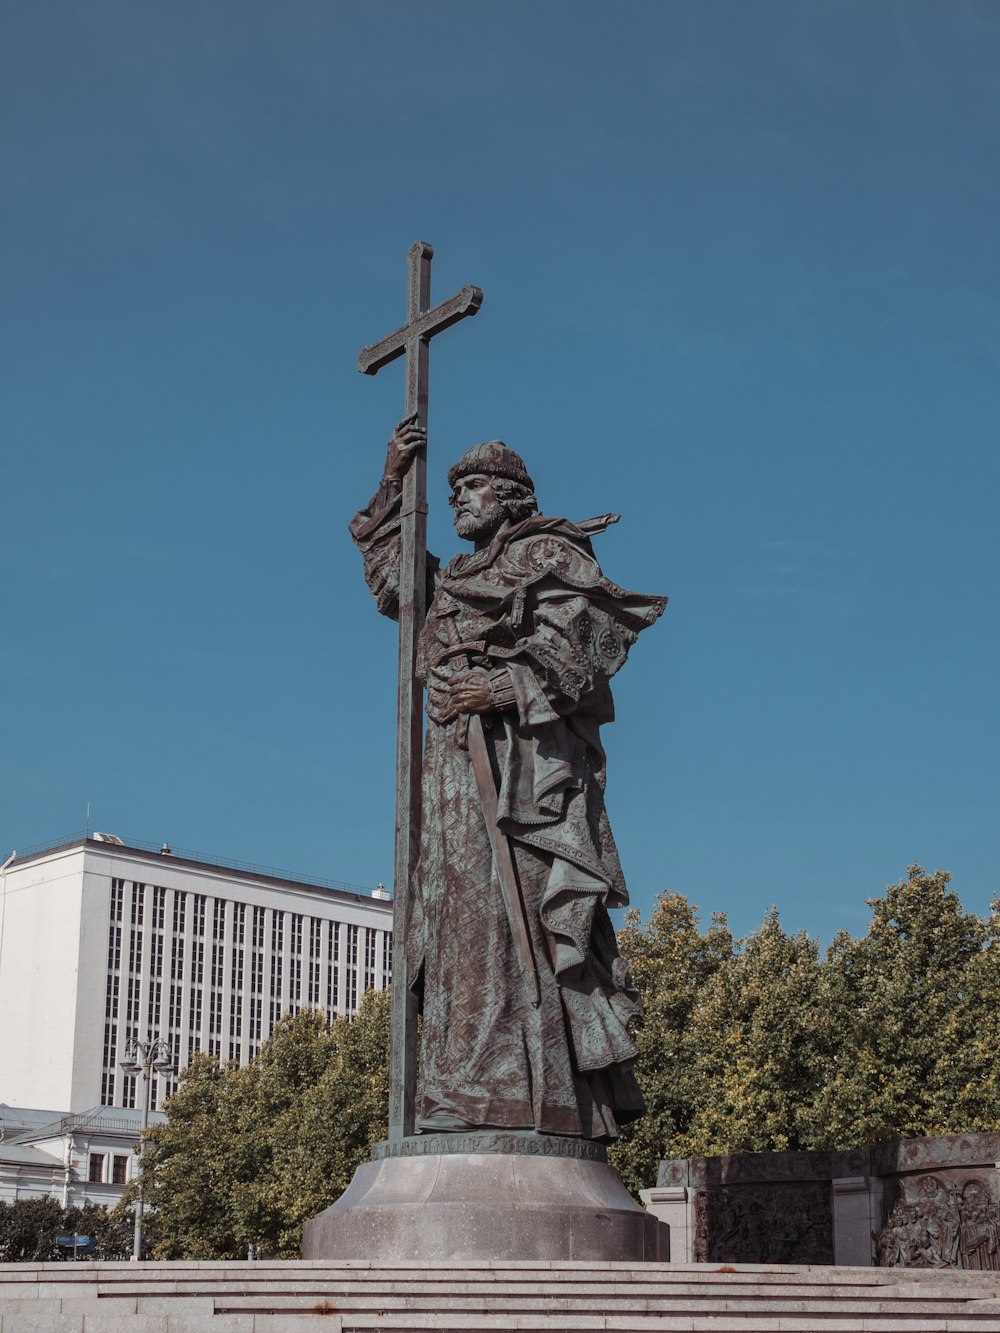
524, 1145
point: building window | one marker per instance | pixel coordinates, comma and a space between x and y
96, 1175
315, 953
111, 993
333, 968
369, 958
119, 1170
352, 970
277, 964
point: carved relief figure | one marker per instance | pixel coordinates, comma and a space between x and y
980, 1227
778, 1224
931, 1226
525, 1000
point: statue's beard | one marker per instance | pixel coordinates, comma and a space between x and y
478, 527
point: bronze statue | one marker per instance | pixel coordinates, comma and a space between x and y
504, 865
508, 942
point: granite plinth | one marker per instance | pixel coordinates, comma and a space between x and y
509, 1197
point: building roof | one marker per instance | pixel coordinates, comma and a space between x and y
21, 1154
17, 1120
154, 853
125, 1120
25, 1125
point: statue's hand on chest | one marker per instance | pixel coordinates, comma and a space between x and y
456, 671
452, 692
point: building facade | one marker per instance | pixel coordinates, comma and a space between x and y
77, 1159
101, 943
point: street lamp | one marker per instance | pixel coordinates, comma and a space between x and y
143, 1057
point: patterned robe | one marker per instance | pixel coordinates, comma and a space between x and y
536, 612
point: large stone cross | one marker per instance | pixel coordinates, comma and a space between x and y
413, 341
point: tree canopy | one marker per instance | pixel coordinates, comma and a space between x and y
747, 1045
248, 1153
762, 1045
29, 1228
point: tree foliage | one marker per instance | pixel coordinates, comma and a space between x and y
672, 961
247, 1154
29, 1227
752, 1045
761, 1044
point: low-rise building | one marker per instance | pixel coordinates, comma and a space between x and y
77, 1159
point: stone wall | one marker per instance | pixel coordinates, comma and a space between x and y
919, 1203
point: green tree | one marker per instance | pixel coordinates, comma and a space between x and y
671, 959
248, 1154
29, 1227
758, 1045
916, 1002
319, 1144
272, 1094
111, 1231
972, 1039
751, 1045
764, 1045
28, 1230
187, 1168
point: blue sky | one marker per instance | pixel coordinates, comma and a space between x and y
742, 284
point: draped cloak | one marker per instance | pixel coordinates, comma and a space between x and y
535, 603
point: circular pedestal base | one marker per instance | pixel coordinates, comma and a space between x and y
519, 1202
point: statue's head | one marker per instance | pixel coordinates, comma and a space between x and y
490, 487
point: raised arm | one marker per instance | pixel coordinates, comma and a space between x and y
375, 528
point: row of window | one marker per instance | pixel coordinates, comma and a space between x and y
188, 971
98, 1166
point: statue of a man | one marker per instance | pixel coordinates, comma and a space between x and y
526, 632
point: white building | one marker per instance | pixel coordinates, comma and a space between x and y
100, 943
77, 1159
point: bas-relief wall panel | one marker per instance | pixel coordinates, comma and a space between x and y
776, 1223
934, 1203
941, 1219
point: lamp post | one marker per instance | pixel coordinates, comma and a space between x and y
143, 1057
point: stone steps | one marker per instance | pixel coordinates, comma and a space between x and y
321, 1297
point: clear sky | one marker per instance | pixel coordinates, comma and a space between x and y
742, 284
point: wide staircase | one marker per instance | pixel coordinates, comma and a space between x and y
314, 1297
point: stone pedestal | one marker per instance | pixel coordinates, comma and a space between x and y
486, 1197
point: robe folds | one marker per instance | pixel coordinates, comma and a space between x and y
536, 612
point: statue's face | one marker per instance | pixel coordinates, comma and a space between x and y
478, 511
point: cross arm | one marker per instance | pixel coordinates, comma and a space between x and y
466, 302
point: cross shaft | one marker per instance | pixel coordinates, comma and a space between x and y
413, 341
